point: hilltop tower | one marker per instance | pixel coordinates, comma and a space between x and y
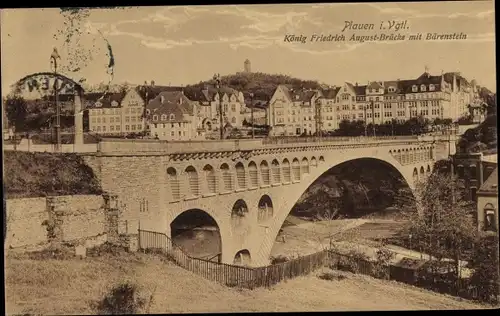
247, 66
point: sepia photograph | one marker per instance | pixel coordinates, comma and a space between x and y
250, 158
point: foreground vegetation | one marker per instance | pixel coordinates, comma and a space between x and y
92, 285
40, 174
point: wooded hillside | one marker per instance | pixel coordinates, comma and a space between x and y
261, 84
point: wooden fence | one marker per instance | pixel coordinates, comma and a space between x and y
423, 279
246, 277
231, 275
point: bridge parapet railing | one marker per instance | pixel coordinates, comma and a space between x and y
196, 146
335, 140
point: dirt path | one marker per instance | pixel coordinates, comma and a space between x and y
310, 237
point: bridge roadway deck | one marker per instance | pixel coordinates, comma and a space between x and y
152, 147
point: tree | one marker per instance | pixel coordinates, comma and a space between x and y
440, 223
16, 109
485, 264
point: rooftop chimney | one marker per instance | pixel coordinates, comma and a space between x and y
152, 83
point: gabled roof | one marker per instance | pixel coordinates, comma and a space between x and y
461, 81
375, 85
152, 91
394, 83
106, 99
208, 93
168, 108
302, 95
172, 97
330, 93
490, 186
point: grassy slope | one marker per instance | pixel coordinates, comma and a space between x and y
40, 174
70, 287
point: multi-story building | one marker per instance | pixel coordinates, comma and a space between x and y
172, 116
326, 112
292, 112
473, 168
446, 96
487, 204
210, 99
115, 113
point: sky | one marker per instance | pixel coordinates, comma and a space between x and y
184, 45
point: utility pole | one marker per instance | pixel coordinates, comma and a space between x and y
319, 118
365, 120
373, 117
54, 58
217, 85
251, 104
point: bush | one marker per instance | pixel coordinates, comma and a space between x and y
59, 253
352, 261
278, 259
329, 276
106, 248
40, 174
382, 262
123, 299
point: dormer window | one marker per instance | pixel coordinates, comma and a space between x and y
392, 89
172, 117
414, 88
297, 97
432, 87
148, 112
98, 104
163, 117
155, 117
422, 88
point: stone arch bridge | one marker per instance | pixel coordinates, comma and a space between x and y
247, 186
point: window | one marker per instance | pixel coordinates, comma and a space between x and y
414, 88
117, 127
422, 88
104, 120
490, 221
155, 118
473, 191
127, 127
93, 120
104, 128
98, 128
172, 117
172, 133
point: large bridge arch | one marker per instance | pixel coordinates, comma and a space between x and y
283, 207
196, 226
